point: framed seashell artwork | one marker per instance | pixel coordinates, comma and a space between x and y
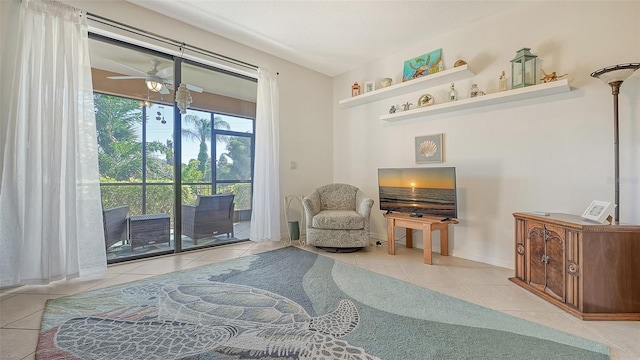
428, 149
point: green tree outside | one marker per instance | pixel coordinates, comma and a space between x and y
235, 164
199, 129
119, 150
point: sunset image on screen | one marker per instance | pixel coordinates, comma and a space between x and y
434, 178
425, 191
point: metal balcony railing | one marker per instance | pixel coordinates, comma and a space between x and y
157, 198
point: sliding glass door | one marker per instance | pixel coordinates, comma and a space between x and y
219, 115
156, 162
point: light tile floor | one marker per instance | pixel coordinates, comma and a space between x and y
21, 308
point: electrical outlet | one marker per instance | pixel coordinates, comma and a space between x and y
293, 165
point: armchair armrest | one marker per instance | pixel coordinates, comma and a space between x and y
311, 205
363, 205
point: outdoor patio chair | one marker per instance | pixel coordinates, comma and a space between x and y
212, 215
114, 222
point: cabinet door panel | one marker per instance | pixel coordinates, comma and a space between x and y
536, 247
555, 266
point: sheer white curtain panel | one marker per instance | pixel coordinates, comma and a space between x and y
50, 207
265, 214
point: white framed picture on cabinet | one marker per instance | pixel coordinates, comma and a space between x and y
599, 211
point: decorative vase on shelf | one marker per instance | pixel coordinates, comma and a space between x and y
425, 100
385, 82
453, 93
502, 82
474, 90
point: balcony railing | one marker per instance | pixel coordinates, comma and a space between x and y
157, 198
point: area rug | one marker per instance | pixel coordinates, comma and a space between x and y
289, 304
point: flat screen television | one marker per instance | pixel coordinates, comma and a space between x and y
429, 191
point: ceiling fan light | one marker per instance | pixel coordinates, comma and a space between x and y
153, 85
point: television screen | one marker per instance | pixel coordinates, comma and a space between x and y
419, 191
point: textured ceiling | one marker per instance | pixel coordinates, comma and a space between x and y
331, 37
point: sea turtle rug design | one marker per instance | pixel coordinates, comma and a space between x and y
210, 320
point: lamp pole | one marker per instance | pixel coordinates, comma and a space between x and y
614, 76
615, 90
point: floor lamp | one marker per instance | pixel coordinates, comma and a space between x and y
614, 76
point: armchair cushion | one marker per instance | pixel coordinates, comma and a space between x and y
338, 220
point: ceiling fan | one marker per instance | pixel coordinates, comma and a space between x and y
156, 80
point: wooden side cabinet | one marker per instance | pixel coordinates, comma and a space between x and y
590, 270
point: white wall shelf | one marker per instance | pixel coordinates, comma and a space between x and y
552, 88
439, 78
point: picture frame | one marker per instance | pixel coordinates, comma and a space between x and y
369, 86
599, 211
419, 66
429, 149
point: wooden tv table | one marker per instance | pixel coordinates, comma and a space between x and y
426, 224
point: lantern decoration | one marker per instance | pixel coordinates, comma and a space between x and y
355, 89
183, 98
523, 69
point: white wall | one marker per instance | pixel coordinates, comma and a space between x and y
305, 95
553, 154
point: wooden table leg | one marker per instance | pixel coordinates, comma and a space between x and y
391, 236
409, 237
426, 243
444, 240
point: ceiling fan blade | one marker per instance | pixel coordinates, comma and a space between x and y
130, 67
165, 73
125, 77
194, 88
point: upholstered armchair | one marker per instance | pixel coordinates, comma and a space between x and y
337, 216
212, 215
114, 223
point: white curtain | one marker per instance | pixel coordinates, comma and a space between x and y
265, 215
50, 207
